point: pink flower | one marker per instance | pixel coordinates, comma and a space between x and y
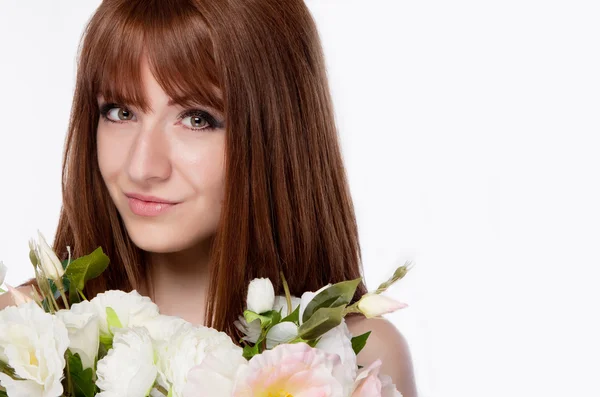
293, 370
369, 383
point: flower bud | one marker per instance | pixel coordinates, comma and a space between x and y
375, 305
261, 295
48, 260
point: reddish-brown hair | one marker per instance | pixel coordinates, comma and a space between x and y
287, 203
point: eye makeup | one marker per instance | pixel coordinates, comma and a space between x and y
211, 122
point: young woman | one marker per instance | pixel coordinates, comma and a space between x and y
202, 152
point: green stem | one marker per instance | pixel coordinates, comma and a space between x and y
288, 297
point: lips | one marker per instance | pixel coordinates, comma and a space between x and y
148, 206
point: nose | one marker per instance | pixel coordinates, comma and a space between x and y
149, 157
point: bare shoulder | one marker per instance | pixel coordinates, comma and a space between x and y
6, 298
389, 345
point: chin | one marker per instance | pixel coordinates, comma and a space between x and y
162, 239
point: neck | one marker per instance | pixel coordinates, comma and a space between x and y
178, 281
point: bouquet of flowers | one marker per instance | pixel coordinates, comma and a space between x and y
118, 344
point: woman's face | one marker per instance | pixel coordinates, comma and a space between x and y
164, 169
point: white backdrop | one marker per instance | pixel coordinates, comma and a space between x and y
469, 133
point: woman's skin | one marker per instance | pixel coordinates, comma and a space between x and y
158, 154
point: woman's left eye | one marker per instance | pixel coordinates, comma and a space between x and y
196, 120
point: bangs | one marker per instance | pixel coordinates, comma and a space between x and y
175, 40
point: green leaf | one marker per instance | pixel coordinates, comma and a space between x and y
250, 351
86, 268
321, 321
293, 316
112, 319
267, 318
83, 380
74, 296
339, 294
359, 341
250, 316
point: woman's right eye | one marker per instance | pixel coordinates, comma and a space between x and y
115, 113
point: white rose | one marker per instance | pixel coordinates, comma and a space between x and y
131, 308
84, 335
128, 368
261, 296
48, 260
33, 343
188, 347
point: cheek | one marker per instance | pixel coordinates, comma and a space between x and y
203, 168
112, 152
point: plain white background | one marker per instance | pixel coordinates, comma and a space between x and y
469, 131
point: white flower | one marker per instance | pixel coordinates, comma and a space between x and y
84, 335
281, 333
33, 343
128, 369
281, 303
131, 308
338, 341
163, 327
375, 305
188, 347
261, 296
48, 260
215, 375
3, 271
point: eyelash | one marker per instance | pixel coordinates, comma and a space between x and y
212, 123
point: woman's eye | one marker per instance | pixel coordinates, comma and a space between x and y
120, 114
195, 121
115, 113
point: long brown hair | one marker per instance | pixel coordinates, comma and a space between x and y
287, 202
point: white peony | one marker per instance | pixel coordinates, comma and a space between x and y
128, 369
131, 308
33, 343
188, 347
84, 335
261, 296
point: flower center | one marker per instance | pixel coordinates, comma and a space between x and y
33, 359
279, 393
